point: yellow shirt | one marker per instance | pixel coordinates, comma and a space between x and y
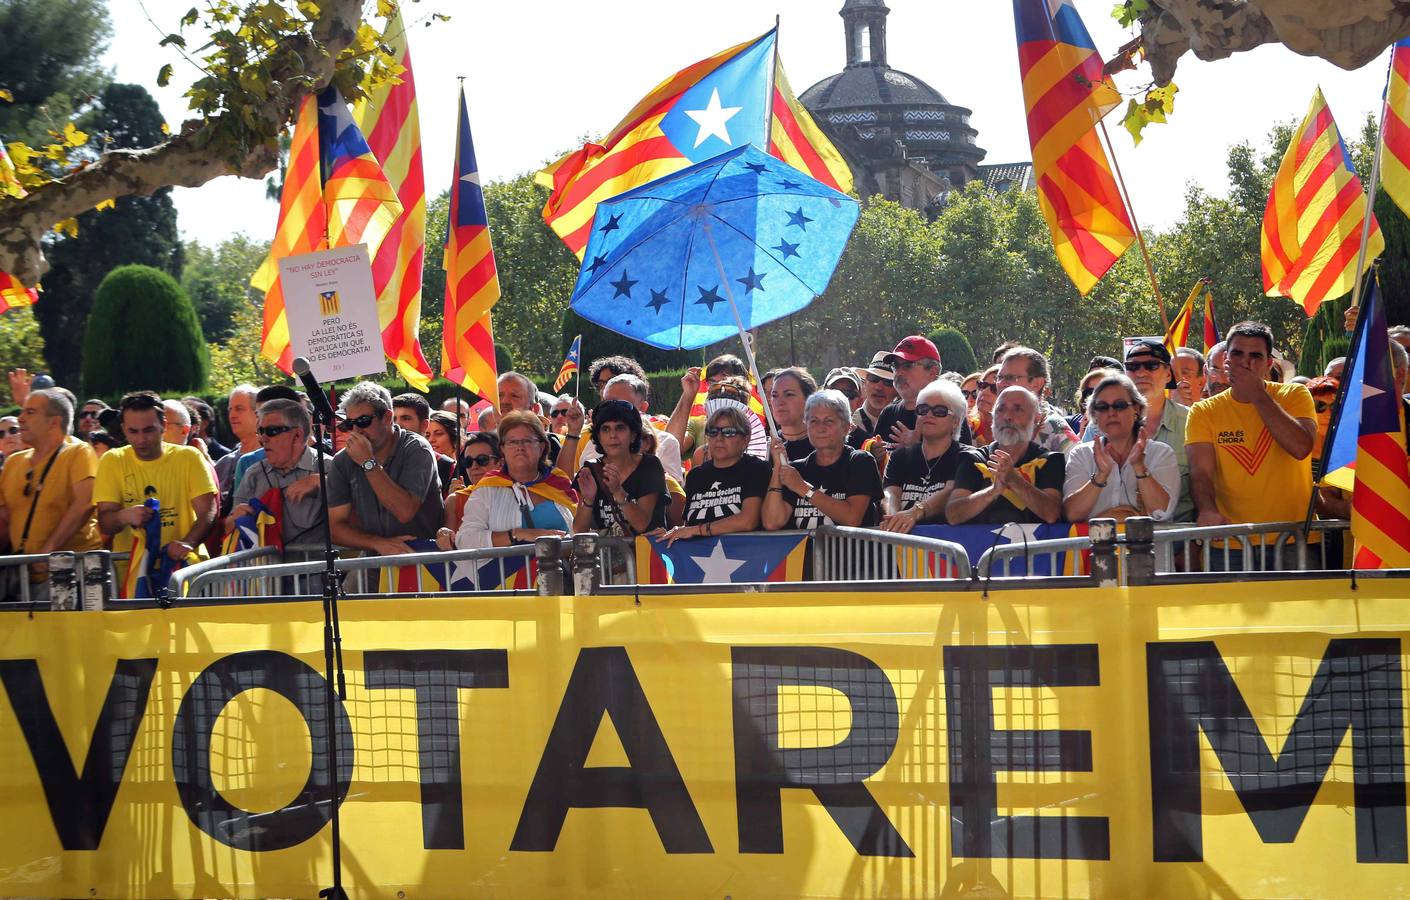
75, 462
1255, 480
175, 478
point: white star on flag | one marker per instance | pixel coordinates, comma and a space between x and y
712, 119
1015, 533
472, 178
717, 568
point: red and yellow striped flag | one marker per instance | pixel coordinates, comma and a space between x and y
13, 294
1395, 132
797, 140
1066, 95
392, 124
472, 280
1178, 334
303, 224
1313, 221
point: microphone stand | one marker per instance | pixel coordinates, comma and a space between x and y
332, 658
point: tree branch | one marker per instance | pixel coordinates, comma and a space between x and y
200, 152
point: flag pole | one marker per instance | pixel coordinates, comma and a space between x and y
1371, 186
1136, 227
744, 336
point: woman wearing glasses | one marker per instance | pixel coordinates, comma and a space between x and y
920, 477
724, 494
481, 457
981, 420
624, 490
524, 499
1120, 472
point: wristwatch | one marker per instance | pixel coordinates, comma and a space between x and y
370, 464
809, 495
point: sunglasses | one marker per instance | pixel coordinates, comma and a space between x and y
1324, 405
877, 379
849, 393
272, 430
939, 410
12, 430
1102, 406
725, 432
970, 395
88, 414
363, 421
559, 413
988, 387
1150, 365
482, 460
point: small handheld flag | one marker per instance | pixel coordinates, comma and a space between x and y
570, 364
1178, 334
1211, 325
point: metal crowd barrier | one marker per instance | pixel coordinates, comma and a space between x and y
1178, 549
85, 578
841, 553
241, 575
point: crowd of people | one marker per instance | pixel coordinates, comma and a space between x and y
1227, 437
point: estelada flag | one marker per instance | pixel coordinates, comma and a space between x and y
1066, 95
1313, 221
736, 97
729, 559
506, 573
570, 363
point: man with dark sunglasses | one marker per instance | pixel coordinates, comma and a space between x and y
87, 418
878, 392
289, 466
1148, 366
383, 490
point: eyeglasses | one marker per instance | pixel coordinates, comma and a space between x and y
877, 379
1150, 365
1323, 405
521, 443
1014, 379
724, 432
912, 363
364, 421
559, 413
1102, 406
273, 430
482, 460
88, 414
988, 387
12, 430
970, 395
939, 410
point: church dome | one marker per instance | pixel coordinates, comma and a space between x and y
870, 86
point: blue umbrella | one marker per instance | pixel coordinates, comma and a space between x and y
711, 251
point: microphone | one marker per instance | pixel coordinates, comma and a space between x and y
321, 407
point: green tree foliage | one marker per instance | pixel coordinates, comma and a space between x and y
217, 279
599, 342
143, 333
20, 345
51, 63
138, 230
955, 352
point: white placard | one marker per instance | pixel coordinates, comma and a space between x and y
332, 312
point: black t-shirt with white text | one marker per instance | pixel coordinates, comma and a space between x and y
920, 479
648, 478
713, 493
854, 473
1044, 468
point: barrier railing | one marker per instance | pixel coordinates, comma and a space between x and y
841, 553
1251, 547
76, 577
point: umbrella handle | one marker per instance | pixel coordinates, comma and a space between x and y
744, 336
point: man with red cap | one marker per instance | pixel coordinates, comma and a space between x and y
916, 362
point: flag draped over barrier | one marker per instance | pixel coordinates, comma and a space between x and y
1313, 221
729, 559
731, 99
1066, 95
392, 124
472, 280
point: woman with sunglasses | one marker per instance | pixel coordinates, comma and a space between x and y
724, 494
1120, 472
920, 477
524, 499
481, 457
981, 420
623, 491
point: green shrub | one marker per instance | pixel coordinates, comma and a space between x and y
143, 333
599, 342
956, 355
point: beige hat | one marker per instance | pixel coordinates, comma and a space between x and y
879, 367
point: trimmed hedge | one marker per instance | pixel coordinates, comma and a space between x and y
143, 334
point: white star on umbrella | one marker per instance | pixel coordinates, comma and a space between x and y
717, 568
712, 119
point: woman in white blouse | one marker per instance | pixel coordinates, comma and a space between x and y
1121, 473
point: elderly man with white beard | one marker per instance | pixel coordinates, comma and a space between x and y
1012, 479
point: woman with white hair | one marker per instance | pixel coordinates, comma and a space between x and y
1120, 472
832, 485
920, 477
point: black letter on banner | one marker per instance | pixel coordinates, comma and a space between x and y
438, 676
977, 751
221, 682
1356, 686
834, 774
80, 804
603, 682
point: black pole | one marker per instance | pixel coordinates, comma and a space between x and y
332, 662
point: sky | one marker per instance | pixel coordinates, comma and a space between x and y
541, 75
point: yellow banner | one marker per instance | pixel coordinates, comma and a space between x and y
1226, 740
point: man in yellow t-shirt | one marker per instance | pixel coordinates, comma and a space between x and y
46, 493
177, 477
1250, 446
